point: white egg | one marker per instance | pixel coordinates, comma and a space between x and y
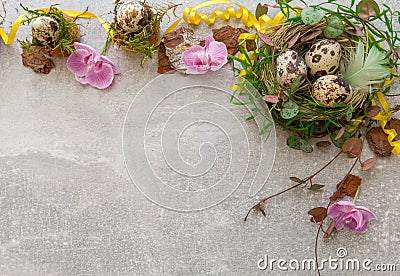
132, 16
323, 58
331, 89
45, 30
289, 67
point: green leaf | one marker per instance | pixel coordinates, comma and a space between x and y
312, 16
289, 110
316, 187
349, 113
261, 10
339, 142
296, 179
335, 27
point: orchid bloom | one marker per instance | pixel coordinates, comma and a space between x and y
347, 214
212, 56
91, 68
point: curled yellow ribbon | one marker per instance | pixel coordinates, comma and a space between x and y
9, 39
383, 117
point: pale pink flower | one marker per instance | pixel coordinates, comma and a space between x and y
212, 56
91, 68
347, 214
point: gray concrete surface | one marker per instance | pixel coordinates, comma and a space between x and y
69, 207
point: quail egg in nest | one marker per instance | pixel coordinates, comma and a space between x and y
323, 58
290, 66
132, 16
330, 90
45, 30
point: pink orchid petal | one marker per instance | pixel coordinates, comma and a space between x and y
76, 62
81, 79
367, 214
363, 228
193, 53
108, 61
218, 55
354, 216
338, 209
101, 79
208, 41
81, 46
197, 70
271, 98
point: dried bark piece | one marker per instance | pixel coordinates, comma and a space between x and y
35, 59
394, 124
348, 186
163, 62
175, 43
229, 36
378, 142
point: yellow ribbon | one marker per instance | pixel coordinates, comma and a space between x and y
383, 117
9, 39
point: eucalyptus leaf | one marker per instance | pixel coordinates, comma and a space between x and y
289, 110
261, 10
339, 142
312, 16
349, 113
296, 179
335, 27
316, 187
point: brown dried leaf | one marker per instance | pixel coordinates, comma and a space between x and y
369, 163
348, 187
229, 36
372, 111
324, 144
311, 35
35, 59
318, 214
340, 133
394, 124
293, 40
378, 142
266, 39
353, 147
367, 9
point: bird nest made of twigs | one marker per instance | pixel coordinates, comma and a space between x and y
292, 101
144, 39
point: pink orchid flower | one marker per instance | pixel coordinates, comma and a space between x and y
200, 60
347, 214
91, 68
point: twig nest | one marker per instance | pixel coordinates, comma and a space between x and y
323, 58
330, 90
45, 30
132, 16
290, 67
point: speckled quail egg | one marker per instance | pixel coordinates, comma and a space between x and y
331, 89
323, 58
45, 30
132, 16
289, 67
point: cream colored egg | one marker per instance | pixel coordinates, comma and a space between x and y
132, 16
289, 67
323, 58
45, 30
331, 89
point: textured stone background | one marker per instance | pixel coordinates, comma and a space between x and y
68, 206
